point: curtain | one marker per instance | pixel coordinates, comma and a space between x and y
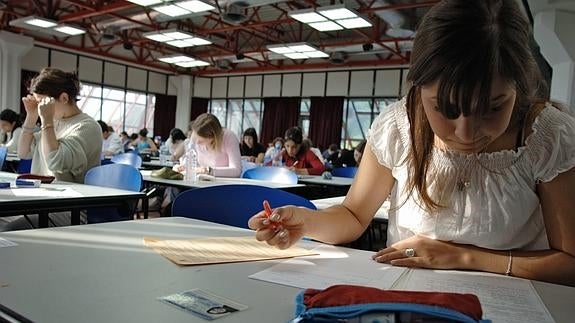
325, 120
165, 115
279, 115
199, 106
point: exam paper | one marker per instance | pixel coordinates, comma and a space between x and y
333, 266
7, 243
503, 299
205, 251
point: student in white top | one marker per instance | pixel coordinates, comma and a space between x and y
11, 127
481, 175
111, 142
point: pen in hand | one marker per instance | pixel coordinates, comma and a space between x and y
268, 212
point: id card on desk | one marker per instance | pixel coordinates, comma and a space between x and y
203, 303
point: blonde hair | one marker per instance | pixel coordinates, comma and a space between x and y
207, 125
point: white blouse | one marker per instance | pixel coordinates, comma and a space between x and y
499, 207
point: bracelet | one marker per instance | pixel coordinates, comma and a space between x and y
509, 264
28, 130
46, 126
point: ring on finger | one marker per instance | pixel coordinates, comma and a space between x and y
409, 252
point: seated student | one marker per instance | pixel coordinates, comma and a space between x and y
358, 151
309, 144
330, 154
298, 157
69, 142
11, 126
125, 139
111, 143
217, 148
345, 158
144, 144
250, 148
176, 143
483, 173
273, 155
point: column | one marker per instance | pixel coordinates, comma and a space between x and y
553, 32
12, 48
184, 101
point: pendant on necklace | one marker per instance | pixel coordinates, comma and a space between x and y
462, 185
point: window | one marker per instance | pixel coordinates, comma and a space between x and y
218, 108
234, 119
122, 110
253, 115
304, 116
357, 119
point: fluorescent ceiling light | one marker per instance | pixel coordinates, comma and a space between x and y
325, 26
172, 10
69, 30
316, 54
175, 59
40, 22
176, 38
302, 48
145, 2
354, 23
307, 17
194, 63
177, 34
336, 13
281, 49
195, 6
296, 55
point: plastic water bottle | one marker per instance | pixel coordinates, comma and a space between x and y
191, 164
164, 154
276, 156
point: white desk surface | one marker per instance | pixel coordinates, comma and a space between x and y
327, 202
217, 182
51, 191
319, 180
104, 273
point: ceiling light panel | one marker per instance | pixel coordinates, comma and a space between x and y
146, 2
69, 30
330, 18
297, 51
195, 6
171, 10
176, 38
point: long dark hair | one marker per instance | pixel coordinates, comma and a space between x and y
11, 117
251, 132
463, 45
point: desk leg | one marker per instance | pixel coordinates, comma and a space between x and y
145, 206
75, 220
43, 219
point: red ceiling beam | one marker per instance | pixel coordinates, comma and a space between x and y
111, 8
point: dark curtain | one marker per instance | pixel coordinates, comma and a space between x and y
199, 106
165, 115
26, 77
325, 120
279, 115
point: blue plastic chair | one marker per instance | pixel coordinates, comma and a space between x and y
272, 174
3, 153
232, 204
133, 160
24, 166
348, 172
116, 176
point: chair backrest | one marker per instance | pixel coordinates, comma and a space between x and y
232, 204
271, 174
344, 172
3, 153
133, 160
115, 175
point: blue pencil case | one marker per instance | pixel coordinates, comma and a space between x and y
360, 304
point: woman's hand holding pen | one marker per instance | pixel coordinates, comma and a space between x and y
282, 228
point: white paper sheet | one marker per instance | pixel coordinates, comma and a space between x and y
503, 299
329, 269
7, 243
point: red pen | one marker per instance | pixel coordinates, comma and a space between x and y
268, 212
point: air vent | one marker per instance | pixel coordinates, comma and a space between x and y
235, 12
337, 58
